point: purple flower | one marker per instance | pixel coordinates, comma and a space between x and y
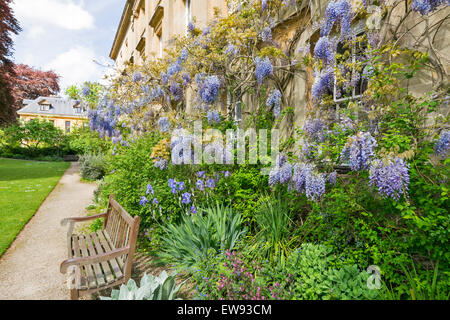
143, 201
150, 189
324, 50
266, 34
274, 101
161, 164
181, 186
186, 78
390, 177
341, 11
427, 6
86, 91
263, 68
314, 128
332, 178
322, 83
201, 174
443, 144
210, 183
164, 124
191, 27
209, 89
315, 186
186, 198
213, 116
155, 201
193, 209
360, 150
137, 76
232, 50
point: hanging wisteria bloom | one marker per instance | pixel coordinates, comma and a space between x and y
191, 27
161, 164
164, 124
186, 78
390, 177
332, 178
263, 68
338, 11
213, 116
360, 150
86, 91
443, 144
324, 50
427, 6
137, 76
176, 91
232, 50
266, 34
314, 128
315, 186
274, 102
323, 82
209, 89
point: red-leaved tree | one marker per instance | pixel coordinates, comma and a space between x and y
8, 26
31, 83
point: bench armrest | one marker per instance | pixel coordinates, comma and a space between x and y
82, 219
93, 259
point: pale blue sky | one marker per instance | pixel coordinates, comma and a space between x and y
66, 35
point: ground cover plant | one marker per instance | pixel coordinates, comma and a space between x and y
24, 185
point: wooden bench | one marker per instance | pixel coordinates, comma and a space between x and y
102, 259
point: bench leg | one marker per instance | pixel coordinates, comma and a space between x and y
74, 294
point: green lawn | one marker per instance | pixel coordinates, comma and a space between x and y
24, 185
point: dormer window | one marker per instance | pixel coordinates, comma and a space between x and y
45, 105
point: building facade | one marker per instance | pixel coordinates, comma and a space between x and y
147, 26
65, 114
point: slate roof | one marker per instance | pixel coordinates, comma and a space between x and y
58, 107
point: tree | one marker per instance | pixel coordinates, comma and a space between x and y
8, 26
31, 83
34, 134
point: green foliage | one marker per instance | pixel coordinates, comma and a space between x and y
273, 224
218, 228
162, 287
92, 166
84, 141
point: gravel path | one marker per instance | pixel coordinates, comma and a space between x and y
30, 267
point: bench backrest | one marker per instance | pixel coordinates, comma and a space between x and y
121, 228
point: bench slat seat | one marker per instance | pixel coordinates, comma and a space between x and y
102, 259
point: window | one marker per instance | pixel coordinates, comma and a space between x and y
67, 126
352, 66
44, 107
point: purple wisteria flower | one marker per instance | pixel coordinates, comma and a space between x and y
213, 116
426, 6
232, 50
186, 78
360, 150
191, 27
266, 34
176, 90
315, 186
443, 144
274, 102
323, 82
263, 68
390, 177
314, 128
209, 89
338, 11
161, 164
137, 76
86, 91
324, 50
332, 178
164, 124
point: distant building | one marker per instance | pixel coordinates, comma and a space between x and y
63, 113
147, 26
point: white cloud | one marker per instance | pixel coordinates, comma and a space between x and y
76, 66
61, 13
35, 32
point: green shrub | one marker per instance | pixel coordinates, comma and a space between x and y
216, 228
92, 166
84, 141
162, 287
